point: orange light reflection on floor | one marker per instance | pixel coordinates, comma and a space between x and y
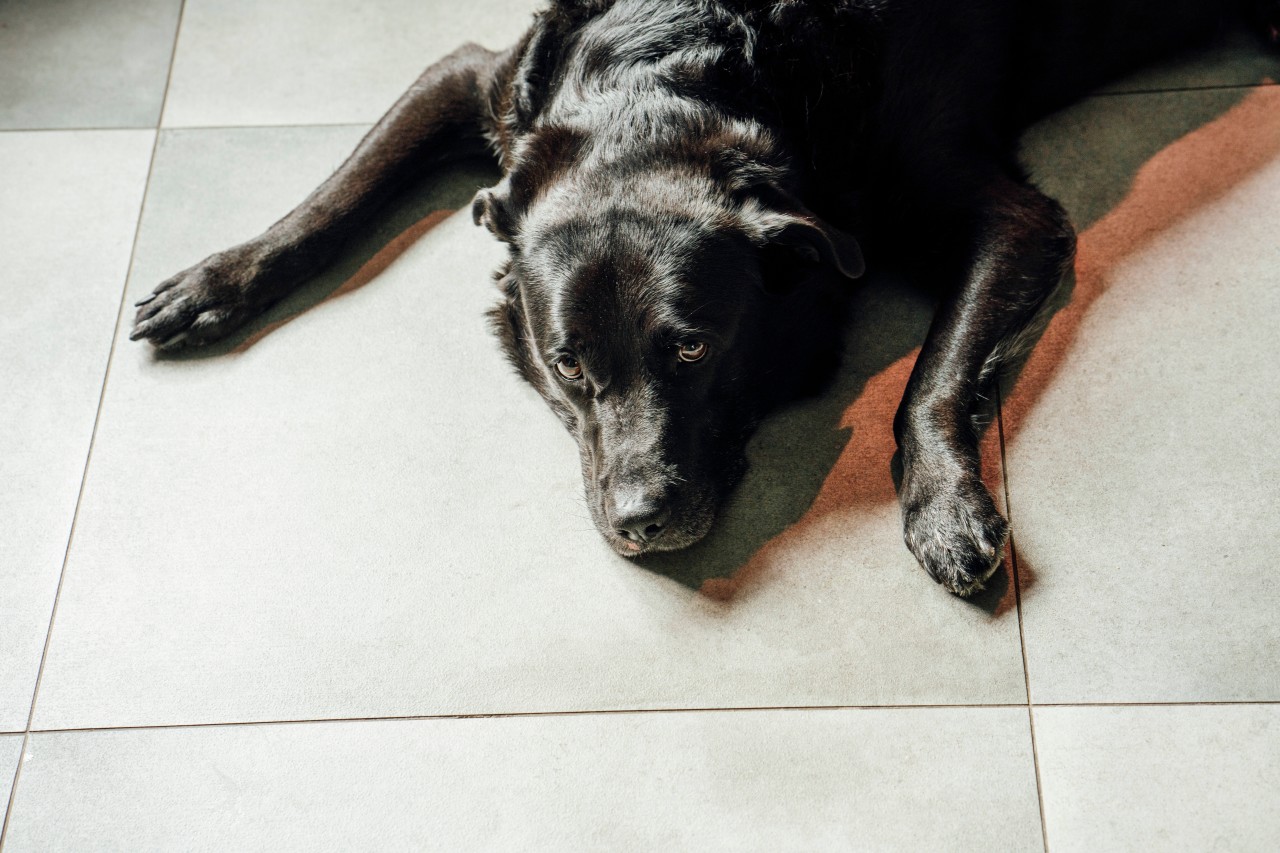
1185, 176
1182, 178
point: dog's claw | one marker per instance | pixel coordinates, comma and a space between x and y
201, 304
142, 327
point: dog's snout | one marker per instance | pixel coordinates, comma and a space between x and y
640, 516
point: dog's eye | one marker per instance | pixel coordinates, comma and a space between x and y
691, 350
569, 368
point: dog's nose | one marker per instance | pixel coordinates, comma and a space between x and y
640, 517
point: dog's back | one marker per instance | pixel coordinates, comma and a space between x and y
984, 68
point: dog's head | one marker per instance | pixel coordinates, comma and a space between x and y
660, 313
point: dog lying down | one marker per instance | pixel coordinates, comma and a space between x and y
682, 186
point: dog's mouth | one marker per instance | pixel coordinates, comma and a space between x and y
689, 522
684, 502
673, 541
628, 548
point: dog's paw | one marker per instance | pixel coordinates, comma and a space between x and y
201, 304
957, 534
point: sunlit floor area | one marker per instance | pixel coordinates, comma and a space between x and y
333, 584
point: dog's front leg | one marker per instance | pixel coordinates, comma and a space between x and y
1020, 246
444, 115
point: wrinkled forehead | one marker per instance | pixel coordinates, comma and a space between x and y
623, 273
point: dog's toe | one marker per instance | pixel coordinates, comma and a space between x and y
958, 536
163, 315
195, 307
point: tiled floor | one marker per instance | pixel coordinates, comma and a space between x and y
222, 574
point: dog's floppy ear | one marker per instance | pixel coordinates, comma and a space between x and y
492, 209
813, 239
777, 219
507, 320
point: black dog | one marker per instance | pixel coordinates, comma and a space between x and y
672, 169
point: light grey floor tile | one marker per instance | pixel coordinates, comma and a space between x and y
364, 513
1236, 56
1201, 777
1142, 453
320, 61
10, 750
935, 779
84, 63
70, 207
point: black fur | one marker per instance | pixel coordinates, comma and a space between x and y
682, 181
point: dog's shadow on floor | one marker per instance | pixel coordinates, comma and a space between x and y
1125, 173
835, 453
838, 446
370, 250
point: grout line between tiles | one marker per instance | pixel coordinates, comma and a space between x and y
173, 59
168, 127
185, 127
93, 435
1210, 704
625, 711
13, 787
77, 129
521, 715
1219, 87
1017, 597
1035, 761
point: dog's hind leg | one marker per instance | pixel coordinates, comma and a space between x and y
1016, 255
445, 115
